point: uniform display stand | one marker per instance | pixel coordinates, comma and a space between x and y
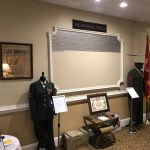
133, 94
60, 106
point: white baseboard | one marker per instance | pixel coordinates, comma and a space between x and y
33, 146
30, 147
124, 122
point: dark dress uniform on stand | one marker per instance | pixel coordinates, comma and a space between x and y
135, 79
42, 111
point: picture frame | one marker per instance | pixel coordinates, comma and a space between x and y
16, 61
98, 103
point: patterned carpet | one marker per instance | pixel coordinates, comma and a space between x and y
127, 141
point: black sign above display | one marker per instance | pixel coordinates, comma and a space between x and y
77, 24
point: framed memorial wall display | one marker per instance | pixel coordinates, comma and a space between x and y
98, 103
87, 58
16, 61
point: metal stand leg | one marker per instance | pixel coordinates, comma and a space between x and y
131, 129
58, 131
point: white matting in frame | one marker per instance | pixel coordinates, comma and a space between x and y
98, 103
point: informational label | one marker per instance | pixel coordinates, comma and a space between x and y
132, 92
60, 104
77, 24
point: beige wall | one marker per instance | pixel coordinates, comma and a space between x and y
27, 21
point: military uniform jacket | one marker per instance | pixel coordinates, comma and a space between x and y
40, 100
136, 80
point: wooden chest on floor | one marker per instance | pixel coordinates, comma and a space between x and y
74, 139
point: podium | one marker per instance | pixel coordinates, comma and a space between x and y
60, 106
133, 94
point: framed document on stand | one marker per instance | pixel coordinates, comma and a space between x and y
133, 94
60, 105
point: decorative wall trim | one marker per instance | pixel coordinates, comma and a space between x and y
71, 100
88, 89
13, 108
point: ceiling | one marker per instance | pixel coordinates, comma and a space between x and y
137, 10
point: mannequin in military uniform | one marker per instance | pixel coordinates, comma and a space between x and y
42, 111
135, 79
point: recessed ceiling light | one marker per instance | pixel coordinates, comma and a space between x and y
97, 0
123, 4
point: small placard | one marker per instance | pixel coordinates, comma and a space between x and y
103, 118
60, 104
77, 24
132, 92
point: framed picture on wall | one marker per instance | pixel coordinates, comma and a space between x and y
98, 103
16, 60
